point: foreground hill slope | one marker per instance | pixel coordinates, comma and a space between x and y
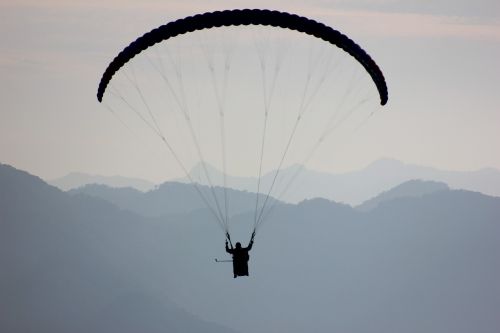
73, 264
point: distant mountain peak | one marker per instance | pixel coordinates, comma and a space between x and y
386, 162
353, 187
201, 166
75, 180
410, 188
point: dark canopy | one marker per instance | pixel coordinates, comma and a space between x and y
246, 17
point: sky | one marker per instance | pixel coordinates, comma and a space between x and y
440, 59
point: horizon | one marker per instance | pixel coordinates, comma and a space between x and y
341, 172
352, 188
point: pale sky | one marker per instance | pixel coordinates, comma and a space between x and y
440, 60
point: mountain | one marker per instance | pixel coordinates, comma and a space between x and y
173, 198
411, 188
77, 179
352, 187
393, 172
72, 263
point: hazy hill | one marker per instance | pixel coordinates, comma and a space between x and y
411, 188
424, 263
78, 179
172, 198
353, 188
78, 264
357, 186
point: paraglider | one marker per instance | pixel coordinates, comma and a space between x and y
204, 97
240, 257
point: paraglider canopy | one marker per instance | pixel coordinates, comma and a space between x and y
238, 17
243, 93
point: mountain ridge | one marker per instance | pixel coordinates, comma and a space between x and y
65, 265
71, 263
78, 179
353, 187
410, 188
174, 198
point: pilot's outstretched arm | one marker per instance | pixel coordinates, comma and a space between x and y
228, 250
